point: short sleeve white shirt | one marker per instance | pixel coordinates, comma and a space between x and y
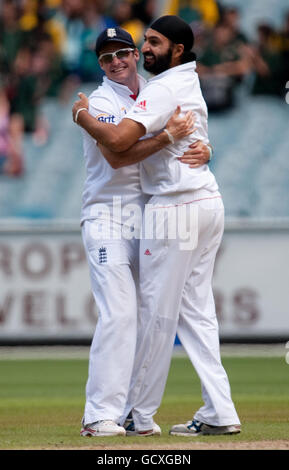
163, 173
109, 103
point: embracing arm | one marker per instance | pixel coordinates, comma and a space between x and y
115, 138
197, 154
177, 127
137, 152
119, 154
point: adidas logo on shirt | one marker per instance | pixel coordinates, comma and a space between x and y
142, 105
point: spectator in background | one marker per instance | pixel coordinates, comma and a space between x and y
267, 64
94, 21
144, 10
37, 19
134, 17
221, 66
284, 36
195, 11
79, 23
11, 131
21, 88
28, 84
48, 67
123, 15
70, 20
11, 36
231, 17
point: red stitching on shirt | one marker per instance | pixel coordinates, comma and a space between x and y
183, 203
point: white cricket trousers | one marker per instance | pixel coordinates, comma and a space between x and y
113, 266
176, 297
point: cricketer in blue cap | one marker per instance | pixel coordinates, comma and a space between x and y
113, 34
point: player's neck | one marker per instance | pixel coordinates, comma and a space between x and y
175, 62
133, 84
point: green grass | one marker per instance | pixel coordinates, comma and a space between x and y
41, 402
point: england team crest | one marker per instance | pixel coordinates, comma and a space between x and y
111, 32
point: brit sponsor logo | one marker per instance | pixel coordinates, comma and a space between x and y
104, 117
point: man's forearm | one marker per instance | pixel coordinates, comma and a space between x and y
105, 134
138, 152
117, 138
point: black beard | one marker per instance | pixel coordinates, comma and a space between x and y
161, 63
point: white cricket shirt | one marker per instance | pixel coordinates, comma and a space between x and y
108, 103
162, 173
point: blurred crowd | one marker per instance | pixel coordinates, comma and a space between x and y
47, 50
226, 57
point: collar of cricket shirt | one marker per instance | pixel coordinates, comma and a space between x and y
188, 66
123, 89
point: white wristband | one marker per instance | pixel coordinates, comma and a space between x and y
77, 113
171, 138
211, 152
